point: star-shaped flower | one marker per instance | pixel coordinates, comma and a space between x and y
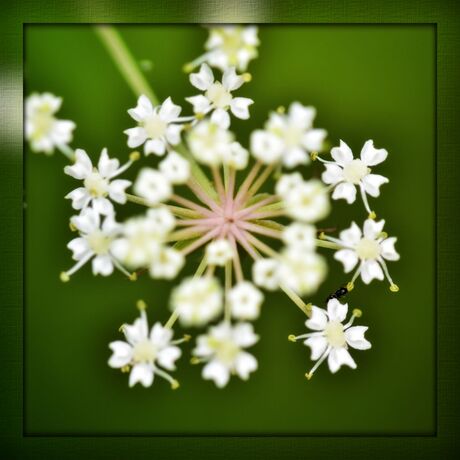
98, 183
146, 353
223, 351
332, 338
218, 97
346, 173
245, 301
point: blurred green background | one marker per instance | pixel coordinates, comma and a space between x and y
373, 82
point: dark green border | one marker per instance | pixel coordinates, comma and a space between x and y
445, 14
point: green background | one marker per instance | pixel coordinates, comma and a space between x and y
366, 82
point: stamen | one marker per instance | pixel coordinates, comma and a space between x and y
131, 276
189, 66
174, 383
309, 375
141, 305
65, 276
393, 287
366, 204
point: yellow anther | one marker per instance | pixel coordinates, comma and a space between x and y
134, 156
291, 338
188, 67
187, 337
372, 215
357, 313
195, 360
247, 77
141, 305
199, 116
122, 328
314, 156
322, 236
281, 109
383, 235
72, 227
64, 277
125, 369
350, 286
394, 288
133, 276
309, 375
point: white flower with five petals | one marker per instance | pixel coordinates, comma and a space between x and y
219, 252
158, 127
332, 338
146, 353
98, 183
245, 301
223, 351
368, 249
218, 97
346, 173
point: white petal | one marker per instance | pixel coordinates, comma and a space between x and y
200, 103
82, 166
318, 319
160, 336
80, 197
103, 265
373, 229
346, 191
79, 247
355, 337
122, 353
295, 156
231, 80
372, 183
339, 357
203, 79
173, 133
371, 270
137, 331
221, 118
388, 250
348, 257
142, 373
107, 166
217, 372
156, 146
313, 139
168, 356
239, 107
117, 190
343, 154
136, 136
87, 222
351, 236
336, 310
244, 336
318, 345
169, 111
143, 109
103, 206
372, 156
301, 116
245, 363
333, 174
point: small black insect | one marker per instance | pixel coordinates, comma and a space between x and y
341, 292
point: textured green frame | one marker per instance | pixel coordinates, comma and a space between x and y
446, 14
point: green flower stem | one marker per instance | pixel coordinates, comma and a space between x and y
326, 244
125, 61
67, 151
228, 286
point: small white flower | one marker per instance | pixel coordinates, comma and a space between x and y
266, 147
146, 353
209, 143
369, 249
245, 301
331, 338
175, 168
296, 134
94, 243
219, 252
307, 201
97, 182
143, 237
157, 127
287, 183
197, 301
346, 173
42, 129
300, 236
231, 46
265, 273
302, 272
218, 97
223, 351
235, 156
167, 263
153, 186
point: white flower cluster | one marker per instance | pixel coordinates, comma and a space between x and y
208, 193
